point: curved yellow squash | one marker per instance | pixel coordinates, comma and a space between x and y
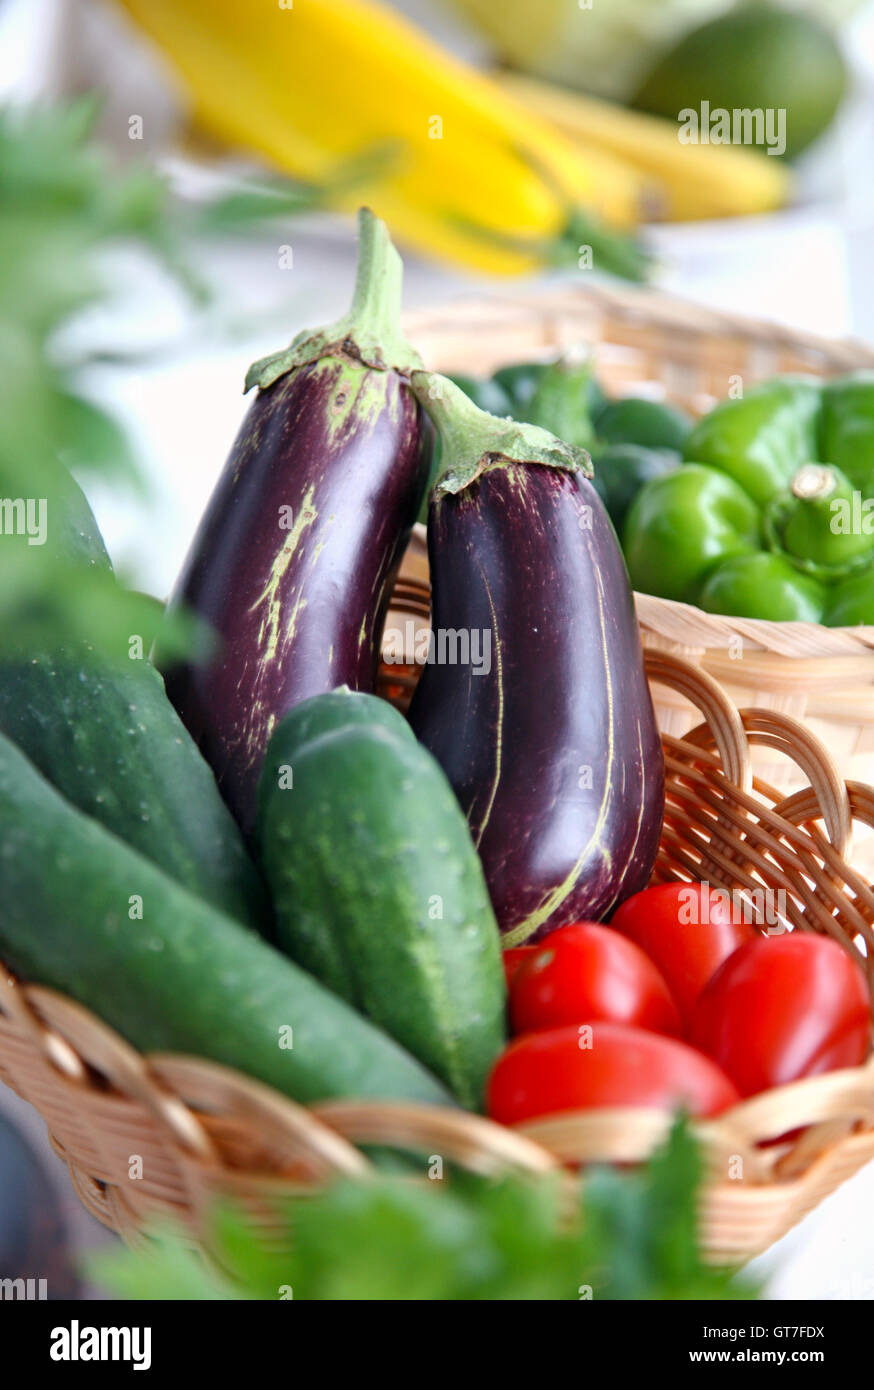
475, 178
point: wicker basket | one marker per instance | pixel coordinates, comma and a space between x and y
203, 1131
648, 343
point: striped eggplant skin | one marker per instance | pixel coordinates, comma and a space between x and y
294, 560
553, 751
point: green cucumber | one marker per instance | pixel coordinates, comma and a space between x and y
378, 890
182, 976
324, 714
106, 735
72, 532
112, 743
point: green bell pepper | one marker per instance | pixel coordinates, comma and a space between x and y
772, 513
847, 427
852, 602
766, 585
621, 471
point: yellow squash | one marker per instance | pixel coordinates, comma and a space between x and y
475, 178
695, 181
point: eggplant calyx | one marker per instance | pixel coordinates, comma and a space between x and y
370, 333
474, 442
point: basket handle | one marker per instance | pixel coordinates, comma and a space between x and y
786, 735
15, 1004
707, 695
477, 1144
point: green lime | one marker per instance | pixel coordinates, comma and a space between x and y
637, 421
756, 57
621, 471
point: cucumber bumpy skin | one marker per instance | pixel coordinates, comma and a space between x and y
111, 742
105, 734
378, 890
338, 709
182, 977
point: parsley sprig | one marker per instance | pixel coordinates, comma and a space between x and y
630, 1235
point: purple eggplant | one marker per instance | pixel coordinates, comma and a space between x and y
546, 731
294, 560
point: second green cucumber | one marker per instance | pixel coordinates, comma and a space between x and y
377, 886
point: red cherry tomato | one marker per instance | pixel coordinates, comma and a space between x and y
513, 958
602, 1065
784, 1007
687, 930
585, 972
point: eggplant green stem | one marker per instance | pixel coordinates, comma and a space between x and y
371, 331
474, 442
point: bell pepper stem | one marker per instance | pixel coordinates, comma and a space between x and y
804, 525
814, 482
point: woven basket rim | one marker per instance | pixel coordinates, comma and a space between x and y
562, 294
812, 640
367, 1117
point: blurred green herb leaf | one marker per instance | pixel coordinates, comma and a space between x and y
648, 1222
268, 198
164, 1269
55, 605
62, 206
632, 1236
92, 439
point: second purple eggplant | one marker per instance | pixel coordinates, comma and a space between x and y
295, 557
548, 736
